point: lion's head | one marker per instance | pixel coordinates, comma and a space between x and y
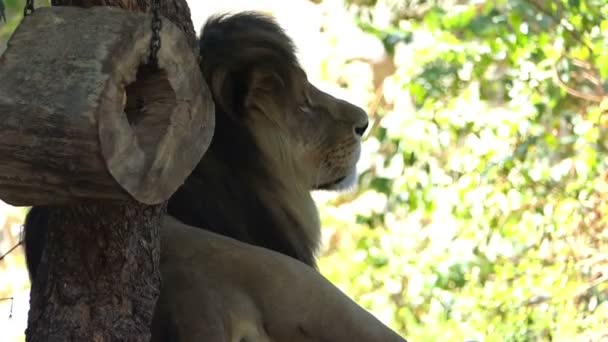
333, 141
253, 72
277, 138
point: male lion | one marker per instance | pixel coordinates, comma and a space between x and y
276, 139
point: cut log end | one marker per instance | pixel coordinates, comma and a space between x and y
99, 124
169, 120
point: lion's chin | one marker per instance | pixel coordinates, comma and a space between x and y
344, 183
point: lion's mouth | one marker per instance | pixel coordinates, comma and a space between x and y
328, 185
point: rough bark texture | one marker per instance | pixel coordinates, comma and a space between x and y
99, 277
175, 10
62, 103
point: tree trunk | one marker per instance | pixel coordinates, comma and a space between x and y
99, 276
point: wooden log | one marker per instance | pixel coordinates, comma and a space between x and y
81, 117
177, 11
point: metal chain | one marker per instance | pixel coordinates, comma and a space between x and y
156, 27
29, 8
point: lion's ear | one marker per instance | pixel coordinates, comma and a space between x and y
259, 88
270, 93
248, 61
229, 91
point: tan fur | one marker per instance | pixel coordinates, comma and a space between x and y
221, 290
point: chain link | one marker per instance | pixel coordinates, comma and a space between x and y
156, 27
29, 8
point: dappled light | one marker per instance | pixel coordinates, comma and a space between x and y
480, 211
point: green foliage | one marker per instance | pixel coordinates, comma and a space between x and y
482, 213
13, 13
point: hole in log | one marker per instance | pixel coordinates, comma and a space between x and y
150, 100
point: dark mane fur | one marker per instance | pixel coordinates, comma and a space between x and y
232, 47
222, 193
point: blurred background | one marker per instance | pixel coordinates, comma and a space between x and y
480, 213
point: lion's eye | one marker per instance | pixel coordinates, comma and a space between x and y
305, 108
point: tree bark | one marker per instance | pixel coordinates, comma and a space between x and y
99, 277
175, 10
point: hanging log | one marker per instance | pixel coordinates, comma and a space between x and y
82, 117
176, 11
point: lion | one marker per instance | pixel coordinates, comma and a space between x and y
277, 138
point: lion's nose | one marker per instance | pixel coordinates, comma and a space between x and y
360, 129
355, 116
360, 121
